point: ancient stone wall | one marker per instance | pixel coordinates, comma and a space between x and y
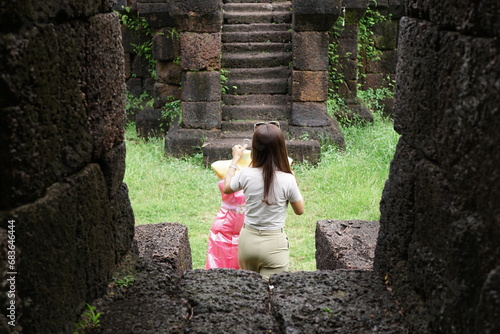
138, 73
65, 214
153, 74
381, 71
438, 242
364, 54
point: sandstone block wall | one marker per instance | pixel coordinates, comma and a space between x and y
152, 52
379, 73
439, 226
62, 158
138, 76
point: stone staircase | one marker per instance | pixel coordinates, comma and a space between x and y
256, 59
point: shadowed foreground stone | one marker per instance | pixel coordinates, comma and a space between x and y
340, 301
204, 301
227, 301
345, 244
149, 305
238, 301
78, 209
439, 235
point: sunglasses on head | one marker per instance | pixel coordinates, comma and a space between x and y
275, 123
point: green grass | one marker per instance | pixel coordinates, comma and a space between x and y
344, 185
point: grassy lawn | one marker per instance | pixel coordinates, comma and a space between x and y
344, 185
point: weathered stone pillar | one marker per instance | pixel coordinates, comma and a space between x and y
381, 73
199, 22
166, 54
311, 22
438, 245
137, 75
200, 54
65, 215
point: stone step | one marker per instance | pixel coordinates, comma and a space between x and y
256, 106
258, 86
247, 125
256, 51
273, 36
257, 7
257, 27
258, 73
220, 148
256, 47
257, 17
257, 99
256, 59
266, 112
237, 135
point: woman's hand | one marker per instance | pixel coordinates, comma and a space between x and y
238, 151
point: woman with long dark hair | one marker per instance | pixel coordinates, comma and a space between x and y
269, 185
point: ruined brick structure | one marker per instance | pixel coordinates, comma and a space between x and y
250, 61
379, 73
369, 73
273, 58
62, 159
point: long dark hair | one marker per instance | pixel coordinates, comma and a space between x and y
269, 153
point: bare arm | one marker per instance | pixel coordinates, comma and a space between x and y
298, 207
237, 153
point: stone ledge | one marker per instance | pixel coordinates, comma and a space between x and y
304, 151
340, 301
240, 301
149, 123
346, 244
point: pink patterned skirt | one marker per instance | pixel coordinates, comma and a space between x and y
225, 231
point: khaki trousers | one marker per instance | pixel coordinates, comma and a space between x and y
266, 252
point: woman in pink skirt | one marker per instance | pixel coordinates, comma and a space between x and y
225, 231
